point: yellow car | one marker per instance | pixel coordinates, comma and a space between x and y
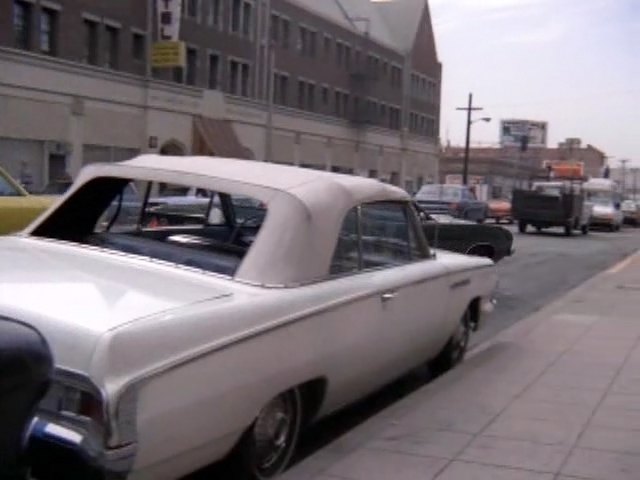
17, 208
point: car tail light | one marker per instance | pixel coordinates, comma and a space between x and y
453, 206
80, 403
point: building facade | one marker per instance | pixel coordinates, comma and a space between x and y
349, 85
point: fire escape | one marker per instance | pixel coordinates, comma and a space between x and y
362, 77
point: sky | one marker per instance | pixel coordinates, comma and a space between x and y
572, 63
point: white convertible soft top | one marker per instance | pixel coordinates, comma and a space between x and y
305, 207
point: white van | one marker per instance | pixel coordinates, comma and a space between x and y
605, 196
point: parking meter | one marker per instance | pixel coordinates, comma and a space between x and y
26, 366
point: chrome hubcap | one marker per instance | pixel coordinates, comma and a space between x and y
462, 337
271, 432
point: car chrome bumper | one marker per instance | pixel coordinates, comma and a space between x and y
606, 221
113, 462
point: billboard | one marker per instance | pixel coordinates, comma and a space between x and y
511, 132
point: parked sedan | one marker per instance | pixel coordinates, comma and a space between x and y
499, 209
17, 207
176, 346
444, 231
456, 200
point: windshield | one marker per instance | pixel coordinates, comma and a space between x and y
440, 192
600, 198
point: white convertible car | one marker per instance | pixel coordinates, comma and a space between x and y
182, 337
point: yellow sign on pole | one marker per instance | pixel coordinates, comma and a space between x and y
167, 54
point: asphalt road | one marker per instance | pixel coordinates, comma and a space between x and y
547, 265
544, 267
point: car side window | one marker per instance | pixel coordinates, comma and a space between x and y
346, 257
385, 235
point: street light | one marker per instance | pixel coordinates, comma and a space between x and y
465, 170
470, 108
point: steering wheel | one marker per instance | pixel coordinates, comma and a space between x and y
236, 230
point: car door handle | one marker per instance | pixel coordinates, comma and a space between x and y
386, 296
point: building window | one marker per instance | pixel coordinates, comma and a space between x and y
339, 53
280, 88
325, 96
22, 24
341, 106
138, 46
191, 8
275, 28
285, 26
241, 17
192, 66
48, 30
347, 56
111, 57
311, 97
236, 15
247, 9
214, 71
394, 118
238, 78
327, 46
307, 43
396, 77
90, 42
306, 95
215, 13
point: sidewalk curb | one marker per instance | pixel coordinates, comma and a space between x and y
524, 326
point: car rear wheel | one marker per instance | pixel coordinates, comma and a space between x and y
267, 447
568, 230
584, 229
454, 351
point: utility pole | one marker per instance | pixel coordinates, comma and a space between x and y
634, 172
624, 175
470, 108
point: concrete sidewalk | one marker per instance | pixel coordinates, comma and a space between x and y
557, 396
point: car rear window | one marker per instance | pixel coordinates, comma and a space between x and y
439, 192
182, 224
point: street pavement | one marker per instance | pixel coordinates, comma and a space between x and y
554, 397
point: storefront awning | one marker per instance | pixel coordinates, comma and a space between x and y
216, 137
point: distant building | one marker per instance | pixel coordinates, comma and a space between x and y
503, 167
629, 177
355, 85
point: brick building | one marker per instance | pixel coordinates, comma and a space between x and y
355, 85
